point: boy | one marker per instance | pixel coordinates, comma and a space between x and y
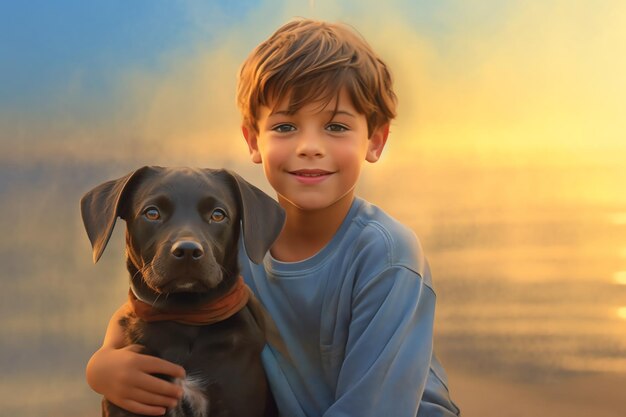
346, 285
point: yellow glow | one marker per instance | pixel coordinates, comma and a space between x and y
618, 218
620, 277
520, 95
621, 312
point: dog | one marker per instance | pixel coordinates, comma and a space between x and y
187, 302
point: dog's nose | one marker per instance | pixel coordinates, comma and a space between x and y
187, 249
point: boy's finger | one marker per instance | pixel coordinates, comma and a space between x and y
160, 387
154, 365
152, 399
144, 409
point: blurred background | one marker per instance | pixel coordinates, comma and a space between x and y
508, 160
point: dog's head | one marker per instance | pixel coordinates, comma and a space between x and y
182, 229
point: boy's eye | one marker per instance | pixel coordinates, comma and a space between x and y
284, 128
335, 127
152, 214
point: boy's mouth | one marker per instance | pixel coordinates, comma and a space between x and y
310, 176
310, 172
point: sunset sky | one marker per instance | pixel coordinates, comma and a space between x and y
500, 80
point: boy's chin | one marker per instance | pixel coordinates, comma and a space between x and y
314, 202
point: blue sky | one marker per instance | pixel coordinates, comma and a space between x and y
46, 42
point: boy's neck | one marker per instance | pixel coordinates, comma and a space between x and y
306, 232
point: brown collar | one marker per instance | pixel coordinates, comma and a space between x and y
217, 310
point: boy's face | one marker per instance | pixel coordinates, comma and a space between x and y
313, 158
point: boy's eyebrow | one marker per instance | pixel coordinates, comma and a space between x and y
332, 112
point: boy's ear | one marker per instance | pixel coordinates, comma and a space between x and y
377, 142
251, 139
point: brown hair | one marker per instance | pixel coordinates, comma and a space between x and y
311, 61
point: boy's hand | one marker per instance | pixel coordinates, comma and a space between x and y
124, 377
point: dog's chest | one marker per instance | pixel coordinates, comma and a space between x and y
221, 361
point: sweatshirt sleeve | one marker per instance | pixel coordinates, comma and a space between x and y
389, 347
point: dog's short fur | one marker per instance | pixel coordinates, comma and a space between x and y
183, 228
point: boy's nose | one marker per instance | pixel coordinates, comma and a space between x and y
310, 145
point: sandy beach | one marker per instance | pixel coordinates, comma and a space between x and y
599, 395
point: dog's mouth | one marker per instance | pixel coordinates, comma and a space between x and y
171, 301
186, 284
188, 287
179, 292
165, 280
175, 286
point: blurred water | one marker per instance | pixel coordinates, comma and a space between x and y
530, 277
529, 265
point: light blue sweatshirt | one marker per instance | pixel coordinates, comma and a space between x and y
357, 322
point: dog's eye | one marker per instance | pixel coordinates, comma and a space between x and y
218, 215
151, 213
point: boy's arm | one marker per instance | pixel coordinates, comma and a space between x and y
124, 376
389, 348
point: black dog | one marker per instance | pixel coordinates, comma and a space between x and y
187, 302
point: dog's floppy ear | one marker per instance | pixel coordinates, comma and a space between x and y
100, 209
262, 218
